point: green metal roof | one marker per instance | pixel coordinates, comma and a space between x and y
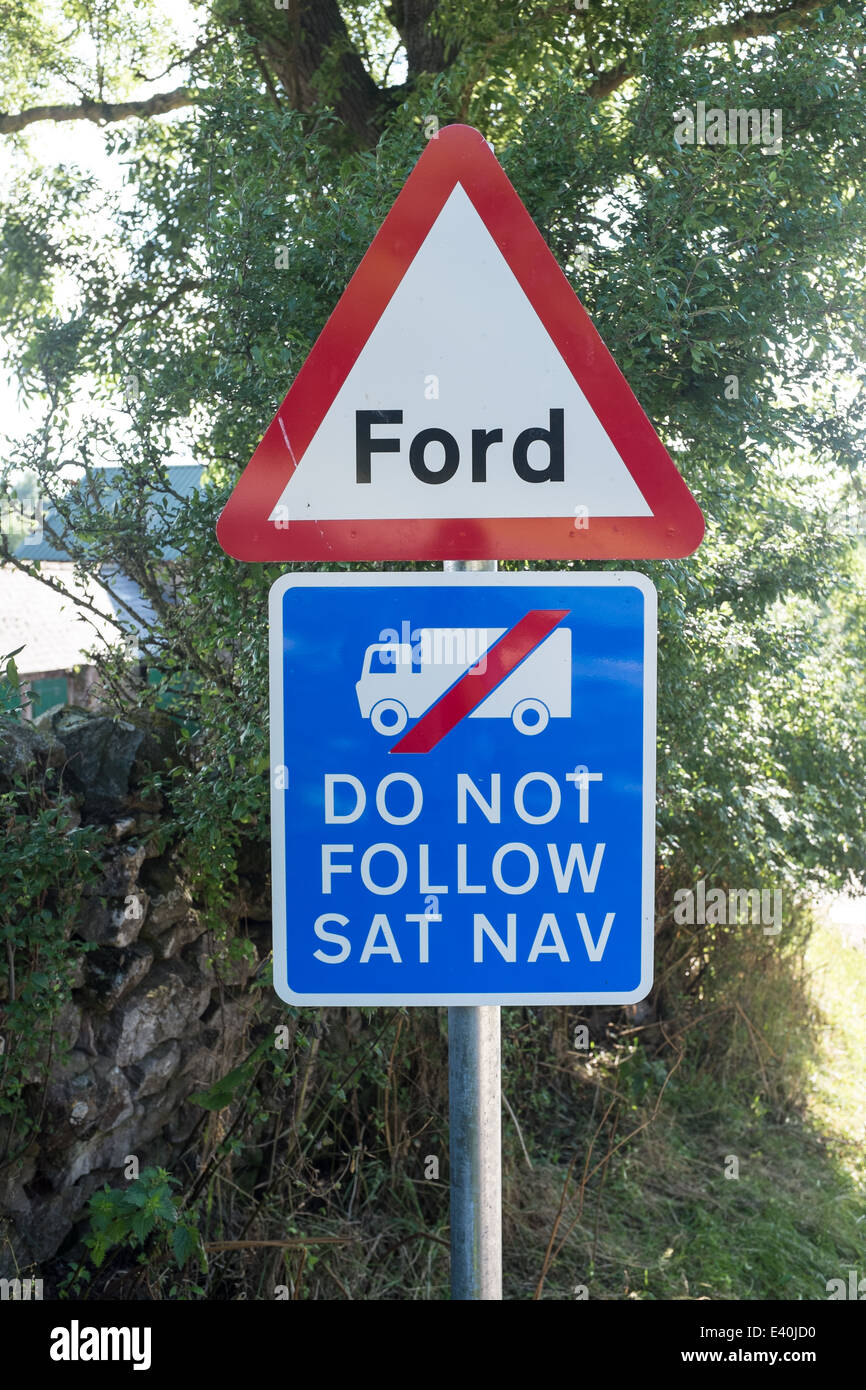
185, 479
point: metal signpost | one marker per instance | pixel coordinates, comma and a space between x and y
475, 1130
463, 763
475, 1149
463, 814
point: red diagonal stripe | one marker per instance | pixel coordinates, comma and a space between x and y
476, 685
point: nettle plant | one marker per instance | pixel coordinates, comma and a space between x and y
142, 1217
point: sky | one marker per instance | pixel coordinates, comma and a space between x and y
81, 144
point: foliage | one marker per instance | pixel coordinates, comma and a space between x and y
46, 859
700, 266
10, 683
615, 1159
221, 1094
142, 1217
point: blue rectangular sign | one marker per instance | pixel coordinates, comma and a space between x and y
463, 787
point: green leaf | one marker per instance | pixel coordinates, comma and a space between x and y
184, 1241
142, 1224
165, 1207
224, 1091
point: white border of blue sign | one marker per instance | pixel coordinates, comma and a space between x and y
613, 578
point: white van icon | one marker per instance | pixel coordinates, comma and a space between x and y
400, 681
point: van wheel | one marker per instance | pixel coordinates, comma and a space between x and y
530, 716
389, 717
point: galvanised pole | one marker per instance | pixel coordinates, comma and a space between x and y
475, 1110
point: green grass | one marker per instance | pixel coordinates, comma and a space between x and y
838, 1086
761, 1063
666, 1222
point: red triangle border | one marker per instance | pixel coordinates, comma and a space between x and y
459, 154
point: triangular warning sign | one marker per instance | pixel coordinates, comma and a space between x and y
459, 404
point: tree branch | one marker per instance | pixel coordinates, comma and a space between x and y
101, 112
426, 51
308, 48
753, 24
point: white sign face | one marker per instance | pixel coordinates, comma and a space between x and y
460, 352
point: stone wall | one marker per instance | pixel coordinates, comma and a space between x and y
153, 1016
